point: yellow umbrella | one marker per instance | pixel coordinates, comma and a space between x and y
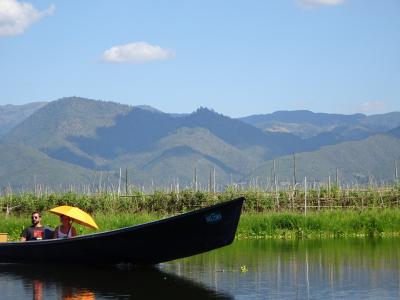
76, 214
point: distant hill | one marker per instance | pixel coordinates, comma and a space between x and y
98, 135
356, 161
140, 130
12, 115
304, 117
395, 132
82, 141
382, 122
307, 124
23, 167
178, 154
67, 116
148, 107
48, 128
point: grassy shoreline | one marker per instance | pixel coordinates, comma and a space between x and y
330, 212
324, 224
276, 225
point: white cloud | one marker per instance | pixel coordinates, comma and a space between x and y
373, 107
16, 16
139, 52
320, 2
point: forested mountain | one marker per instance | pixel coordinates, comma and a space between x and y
140, 130
81, 141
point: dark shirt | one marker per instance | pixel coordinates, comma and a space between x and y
37, 233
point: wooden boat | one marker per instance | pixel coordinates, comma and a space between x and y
150, 243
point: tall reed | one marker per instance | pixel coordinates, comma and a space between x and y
173, 202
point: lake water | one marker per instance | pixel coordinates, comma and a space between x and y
254, 269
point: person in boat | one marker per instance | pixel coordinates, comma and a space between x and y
36, 231
65, 230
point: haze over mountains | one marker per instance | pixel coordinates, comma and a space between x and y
12, 115
81, 141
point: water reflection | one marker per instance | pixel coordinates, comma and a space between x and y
37, 290
72, 282
316, 269
67, 293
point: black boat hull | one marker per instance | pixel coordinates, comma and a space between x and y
151, 243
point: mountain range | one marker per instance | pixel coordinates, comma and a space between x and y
77, 141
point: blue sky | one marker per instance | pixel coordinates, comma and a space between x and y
236, 57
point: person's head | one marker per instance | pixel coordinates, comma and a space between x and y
65, 219
36, 218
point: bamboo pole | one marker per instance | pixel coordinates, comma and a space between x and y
195, 180
276, 188
329, 190
119, 182
294, 169
214, 181
177, 188
100, 182
209, 182
305, 195
126, 182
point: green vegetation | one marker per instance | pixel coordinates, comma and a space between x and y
174, 202
330, 213
287, 225
281, 225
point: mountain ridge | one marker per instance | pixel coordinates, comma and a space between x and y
91, 137
307, 124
